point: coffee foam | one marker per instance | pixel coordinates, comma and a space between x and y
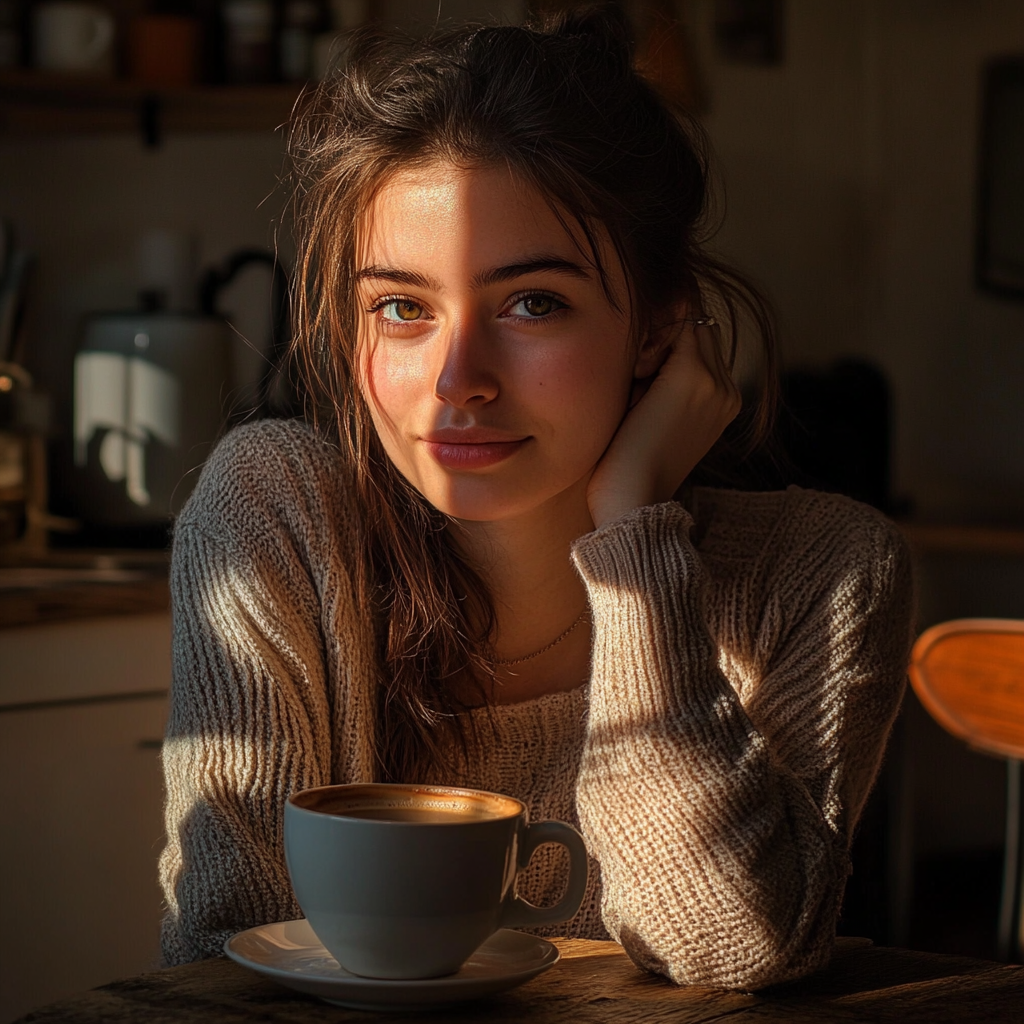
450, 805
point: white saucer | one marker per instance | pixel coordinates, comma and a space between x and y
290, 953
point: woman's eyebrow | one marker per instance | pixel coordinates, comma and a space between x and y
530, 265
507, 272
396, 276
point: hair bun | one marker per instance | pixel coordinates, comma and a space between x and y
603, 24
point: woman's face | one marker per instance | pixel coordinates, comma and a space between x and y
495, 366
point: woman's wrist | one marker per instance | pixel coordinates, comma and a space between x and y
608, 510
607, 505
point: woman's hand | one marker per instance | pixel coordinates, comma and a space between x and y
670, 427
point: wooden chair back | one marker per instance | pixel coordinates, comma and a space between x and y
969, 674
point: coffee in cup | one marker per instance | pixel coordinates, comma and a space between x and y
406, 881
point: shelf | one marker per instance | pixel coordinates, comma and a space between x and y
35, 104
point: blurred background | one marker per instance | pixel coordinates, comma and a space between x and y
871, 156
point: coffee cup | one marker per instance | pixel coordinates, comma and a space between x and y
74, 37
406, 881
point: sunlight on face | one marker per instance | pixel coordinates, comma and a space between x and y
495, 367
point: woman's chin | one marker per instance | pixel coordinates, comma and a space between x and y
480, 508
483, 500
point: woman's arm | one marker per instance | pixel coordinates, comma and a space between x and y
251, 709
723, 864
247, 727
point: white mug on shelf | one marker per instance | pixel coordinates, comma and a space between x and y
73, 37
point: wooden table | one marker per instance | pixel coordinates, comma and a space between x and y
593, 982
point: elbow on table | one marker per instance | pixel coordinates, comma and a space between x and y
748, 960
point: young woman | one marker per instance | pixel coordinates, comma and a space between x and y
483, 561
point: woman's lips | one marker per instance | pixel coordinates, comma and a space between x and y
473, 455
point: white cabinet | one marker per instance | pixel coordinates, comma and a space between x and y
81, 807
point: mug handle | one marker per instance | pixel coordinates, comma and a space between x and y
517, 913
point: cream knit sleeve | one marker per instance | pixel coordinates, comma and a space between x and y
248, 726
723, 843
250, 716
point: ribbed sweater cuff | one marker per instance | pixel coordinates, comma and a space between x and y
615, 554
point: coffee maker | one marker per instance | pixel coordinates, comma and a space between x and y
151, 392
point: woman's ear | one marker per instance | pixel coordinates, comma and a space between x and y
657, 344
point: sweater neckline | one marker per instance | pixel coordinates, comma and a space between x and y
577, 693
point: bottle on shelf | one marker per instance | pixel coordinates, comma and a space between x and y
11, 23
300, 22
248, 27
330, 47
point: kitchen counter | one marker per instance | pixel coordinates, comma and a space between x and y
83, 585
87, 584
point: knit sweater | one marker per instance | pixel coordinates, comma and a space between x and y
748, 660
532, 751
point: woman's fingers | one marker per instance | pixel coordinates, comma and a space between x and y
709, 339
697, 368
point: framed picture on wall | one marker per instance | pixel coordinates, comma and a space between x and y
999, 254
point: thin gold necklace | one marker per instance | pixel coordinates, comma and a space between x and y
507, 662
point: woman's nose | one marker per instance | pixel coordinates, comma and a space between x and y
467, 373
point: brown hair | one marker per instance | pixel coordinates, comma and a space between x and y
563, 107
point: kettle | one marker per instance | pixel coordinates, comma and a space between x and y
151, 388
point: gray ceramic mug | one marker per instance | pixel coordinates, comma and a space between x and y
404, 881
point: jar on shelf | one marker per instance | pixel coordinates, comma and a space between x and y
163, 49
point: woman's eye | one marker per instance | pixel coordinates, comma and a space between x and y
536, 306
401, 310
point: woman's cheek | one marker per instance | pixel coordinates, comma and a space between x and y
403, 369
396, 380
588, 397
